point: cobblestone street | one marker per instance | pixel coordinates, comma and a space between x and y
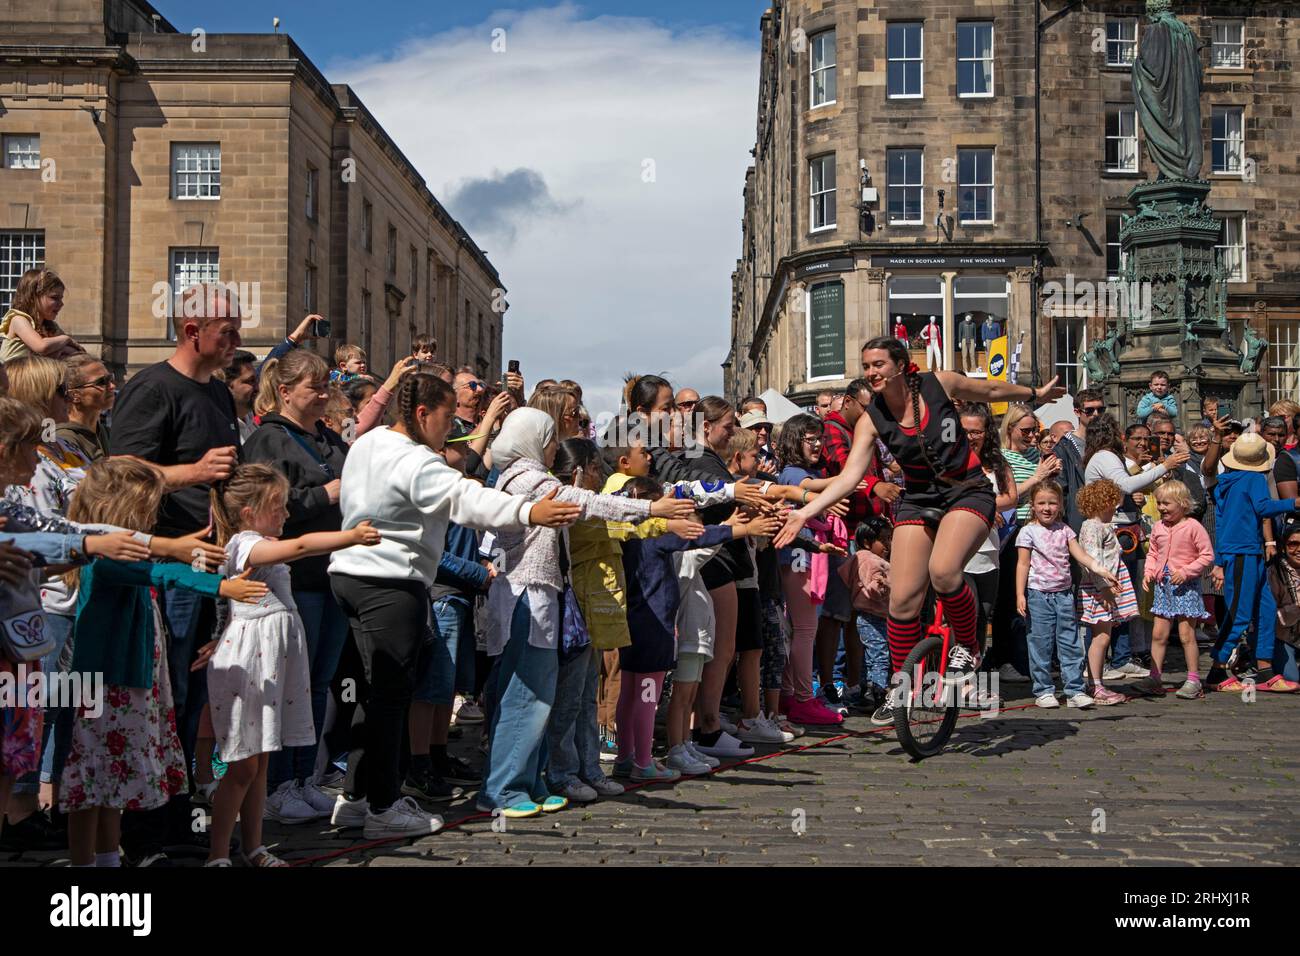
1146, 783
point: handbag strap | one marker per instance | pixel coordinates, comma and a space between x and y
324, 465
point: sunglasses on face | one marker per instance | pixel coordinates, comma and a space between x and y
686, 404
1092, 409
97, 383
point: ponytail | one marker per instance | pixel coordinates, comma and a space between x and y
418, 389
251, 486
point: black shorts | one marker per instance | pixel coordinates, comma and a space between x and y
749, 620
977, 500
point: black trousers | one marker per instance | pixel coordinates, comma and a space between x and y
390, 623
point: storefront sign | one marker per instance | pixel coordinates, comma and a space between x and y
922, 261
825, 267
998, 368
826, 330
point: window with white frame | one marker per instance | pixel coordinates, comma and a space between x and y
1121, 139
904, 169
20, 250
1231, 247
196, 170
191, 267
1115, 258
22, 151
821, 184
822, 65
1121, 41
975, 185
1228, 46
975, 58
905, 60
1227, 142
313, 183
1071, 336
1283, 359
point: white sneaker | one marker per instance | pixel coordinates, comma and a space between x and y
286, 805
403, 818
759, 731
1081, 701
469, 713
726, 747
706, 759
331, 783
727, 726
350, 813
316, 798
787, 736
1131, 669
203, 793
783, 723
682, 760
1048, 701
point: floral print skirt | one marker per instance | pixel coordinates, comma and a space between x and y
129, 757
20, 726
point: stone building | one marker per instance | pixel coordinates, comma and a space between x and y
972, 158
138, 159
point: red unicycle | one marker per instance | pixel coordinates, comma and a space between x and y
928, 703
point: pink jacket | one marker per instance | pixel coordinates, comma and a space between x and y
826, 528
1183, 547
866, 575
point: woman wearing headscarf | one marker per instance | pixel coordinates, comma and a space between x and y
526, 605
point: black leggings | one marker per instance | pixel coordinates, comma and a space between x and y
390, 622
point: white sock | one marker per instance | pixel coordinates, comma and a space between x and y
110, 859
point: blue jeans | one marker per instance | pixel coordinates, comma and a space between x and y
524, 690
572, 736
326, 628
190, 618
871, 630
1052, 625
59, 627
453, 651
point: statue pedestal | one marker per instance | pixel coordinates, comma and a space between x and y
1173, 312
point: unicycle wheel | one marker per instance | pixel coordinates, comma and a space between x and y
925, 719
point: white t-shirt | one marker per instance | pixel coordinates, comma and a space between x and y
986, 558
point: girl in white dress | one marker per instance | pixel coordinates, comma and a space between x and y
259, 683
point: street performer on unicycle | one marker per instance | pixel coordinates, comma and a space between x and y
948, 503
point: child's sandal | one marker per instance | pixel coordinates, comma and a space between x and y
262, 857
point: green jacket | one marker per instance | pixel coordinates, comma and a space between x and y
114, 633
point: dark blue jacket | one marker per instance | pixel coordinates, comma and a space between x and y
653, 597
1241, 502
460, 573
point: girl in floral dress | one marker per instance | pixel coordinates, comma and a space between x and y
126, 756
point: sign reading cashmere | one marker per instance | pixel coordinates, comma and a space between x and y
826, 330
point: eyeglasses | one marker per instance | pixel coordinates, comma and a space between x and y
1168, 434
971, 433
1028, 431
1092, 409
97, 383
687, 404
1293, 545
813, 441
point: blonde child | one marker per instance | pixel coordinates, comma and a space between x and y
259, 682
1180, 553
127, 757
1100, 606
1045, 595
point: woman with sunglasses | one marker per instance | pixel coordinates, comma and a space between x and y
91, 392
948, 504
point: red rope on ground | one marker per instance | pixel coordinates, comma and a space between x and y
629, 788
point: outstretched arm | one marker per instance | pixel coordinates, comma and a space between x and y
992, 390
855, 469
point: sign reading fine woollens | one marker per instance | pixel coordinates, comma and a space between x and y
955, 262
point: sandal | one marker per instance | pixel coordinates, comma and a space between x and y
1233, 685
1278, 685
262, 857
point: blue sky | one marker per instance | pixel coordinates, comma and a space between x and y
599, 158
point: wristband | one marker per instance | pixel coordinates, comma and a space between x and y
804, 500
763, 490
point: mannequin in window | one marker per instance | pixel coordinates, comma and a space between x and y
968, 336
900, 331
990, 330
932, 336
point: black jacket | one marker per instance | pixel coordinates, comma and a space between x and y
310, 461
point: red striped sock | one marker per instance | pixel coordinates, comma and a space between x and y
902, 637
962, 614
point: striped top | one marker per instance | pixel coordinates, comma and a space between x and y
1022, 469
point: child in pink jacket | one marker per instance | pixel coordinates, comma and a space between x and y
1180, 553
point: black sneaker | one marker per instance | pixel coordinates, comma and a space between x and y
455, 770
832, 693
884, 715
430, 787
962, 665
34, 832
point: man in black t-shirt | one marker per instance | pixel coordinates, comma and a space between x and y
1284, 473
181, 419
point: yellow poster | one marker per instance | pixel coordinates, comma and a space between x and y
997, 360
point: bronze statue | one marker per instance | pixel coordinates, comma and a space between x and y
1167, 90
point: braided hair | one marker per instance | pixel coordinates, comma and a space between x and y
899, 355
416, 389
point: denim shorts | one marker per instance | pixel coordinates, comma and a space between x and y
449, 666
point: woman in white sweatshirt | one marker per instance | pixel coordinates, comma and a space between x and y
526, 610
394, 479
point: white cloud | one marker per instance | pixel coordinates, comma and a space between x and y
614, 273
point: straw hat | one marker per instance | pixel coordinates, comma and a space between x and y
1250, 452
752, 418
